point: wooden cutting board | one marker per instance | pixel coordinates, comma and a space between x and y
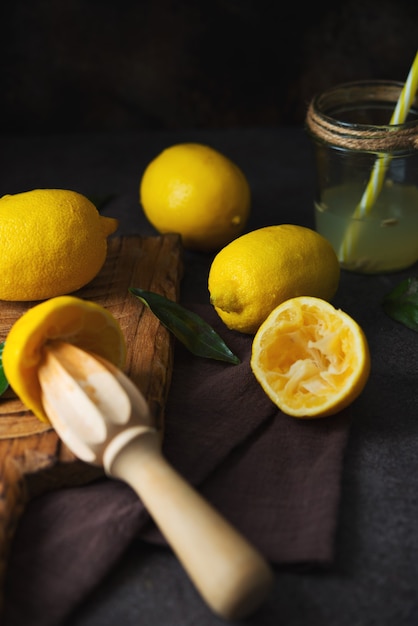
32, 458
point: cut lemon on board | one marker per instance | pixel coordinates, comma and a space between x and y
311, 359
80, 322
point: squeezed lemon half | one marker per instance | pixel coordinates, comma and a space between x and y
80, 322
311, 359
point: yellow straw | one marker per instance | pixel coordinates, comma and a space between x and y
381, 164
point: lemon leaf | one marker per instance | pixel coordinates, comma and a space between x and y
198, 336
402, 303
3, 380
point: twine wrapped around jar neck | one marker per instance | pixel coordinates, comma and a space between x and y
386, 139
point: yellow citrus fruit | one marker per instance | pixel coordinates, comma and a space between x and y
196, 191
311, 359
254, 273
67, 318
53, 242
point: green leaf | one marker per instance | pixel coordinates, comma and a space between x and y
3, 380
402, 303
189, 328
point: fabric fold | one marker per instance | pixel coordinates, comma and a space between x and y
276, 478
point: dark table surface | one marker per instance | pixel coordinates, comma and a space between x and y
373, 579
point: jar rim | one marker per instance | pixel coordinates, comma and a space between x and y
323, 123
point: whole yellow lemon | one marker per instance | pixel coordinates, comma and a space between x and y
194, 190
53, 242
256, 272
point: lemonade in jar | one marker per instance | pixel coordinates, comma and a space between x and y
366, 200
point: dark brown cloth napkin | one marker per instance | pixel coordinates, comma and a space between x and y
276, 478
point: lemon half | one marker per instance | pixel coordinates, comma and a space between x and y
311, 359
80, 322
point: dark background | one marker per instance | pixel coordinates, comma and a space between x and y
94, 65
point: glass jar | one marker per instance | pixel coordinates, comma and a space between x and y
366, 198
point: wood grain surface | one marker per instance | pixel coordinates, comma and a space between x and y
32, 458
